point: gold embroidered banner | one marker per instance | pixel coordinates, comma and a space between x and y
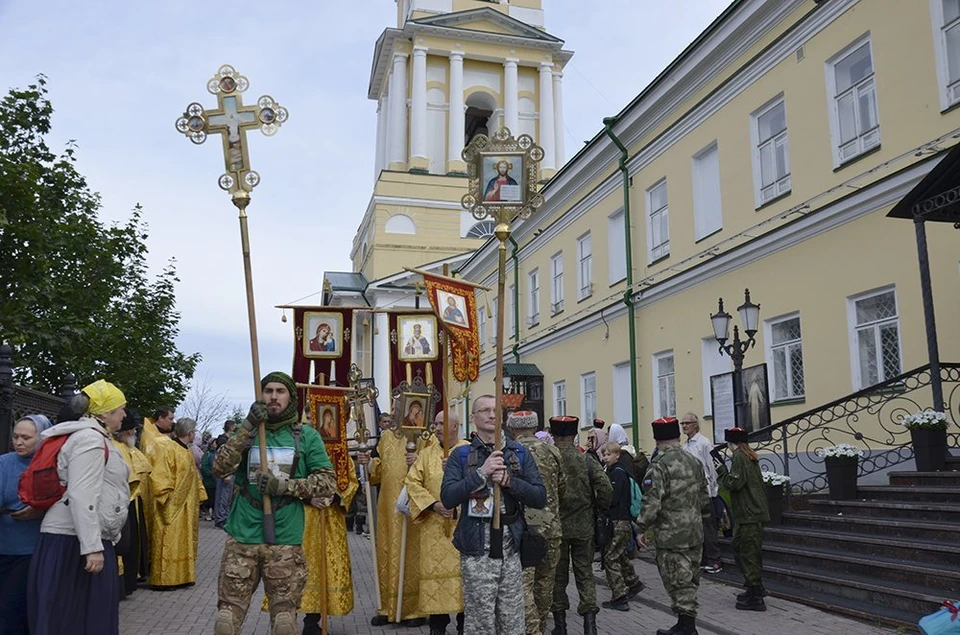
455, 304
329, 412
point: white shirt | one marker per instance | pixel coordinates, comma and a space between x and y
698, 446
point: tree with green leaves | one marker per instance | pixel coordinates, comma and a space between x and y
75, 295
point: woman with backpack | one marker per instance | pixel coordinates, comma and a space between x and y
19, 525
73, 585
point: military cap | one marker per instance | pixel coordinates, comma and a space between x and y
522, 419
666, 428
599, 423
564, 426
735, 435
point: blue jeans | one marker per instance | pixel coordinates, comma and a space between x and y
221, 508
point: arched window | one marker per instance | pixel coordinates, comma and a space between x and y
483, 229
480, 107
400, 224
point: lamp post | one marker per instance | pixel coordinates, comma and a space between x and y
750, 317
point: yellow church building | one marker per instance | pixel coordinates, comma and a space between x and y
766, 156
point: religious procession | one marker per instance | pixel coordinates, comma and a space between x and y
491, 389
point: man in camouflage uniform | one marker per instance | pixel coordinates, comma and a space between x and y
491, 586
538, 581
588, 491
300, 470
671, 515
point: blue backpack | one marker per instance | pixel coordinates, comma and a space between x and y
636, 496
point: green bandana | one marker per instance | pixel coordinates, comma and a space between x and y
288, 416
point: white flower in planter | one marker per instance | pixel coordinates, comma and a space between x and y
926, 419
773, 479
840, 451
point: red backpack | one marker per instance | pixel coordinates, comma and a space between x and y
40, 485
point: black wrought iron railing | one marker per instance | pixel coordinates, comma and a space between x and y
868, 419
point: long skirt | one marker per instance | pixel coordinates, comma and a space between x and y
63, 599
13, 594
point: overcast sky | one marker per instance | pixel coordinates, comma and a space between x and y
120, 72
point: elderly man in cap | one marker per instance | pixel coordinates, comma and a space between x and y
538, 581
672, 513
134, 548
299, 470
588, 490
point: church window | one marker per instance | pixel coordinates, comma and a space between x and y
400, 224
483, 229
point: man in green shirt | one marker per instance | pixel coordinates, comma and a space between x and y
299, 470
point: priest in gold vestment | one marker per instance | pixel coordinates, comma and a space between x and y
177, 494
133, 563
440, 591
160, 426
388, 470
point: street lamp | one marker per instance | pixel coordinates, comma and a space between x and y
750, 317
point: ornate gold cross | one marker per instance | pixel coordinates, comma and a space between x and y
358, 396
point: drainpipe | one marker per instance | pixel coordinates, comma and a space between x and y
516, 300
608, 123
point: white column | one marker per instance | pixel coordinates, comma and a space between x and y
547, 131
381, 137
510, 97
558, 117
397, 153
381, 359
418, 106
457, 122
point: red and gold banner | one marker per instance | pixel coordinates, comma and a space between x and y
414, 345
322, 338
329, 412
455, 304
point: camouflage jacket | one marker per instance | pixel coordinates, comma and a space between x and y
588, 489
748, 494
547, 458
676, 502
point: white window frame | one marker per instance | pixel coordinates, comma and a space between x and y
853, 328
622, 395
560, 398
716, 364
617, 247
866, 139
494, 310
584, 267
482, 326
783, 184
789, 351
588, 398
533, 298
660, 409
556, 283
707, 197
949, 92
659, 215
511, 313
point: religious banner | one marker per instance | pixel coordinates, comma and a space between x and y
414, 349
455, 304
321, 345
328, 412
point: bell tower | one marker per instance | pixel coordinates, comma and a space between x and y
449, 70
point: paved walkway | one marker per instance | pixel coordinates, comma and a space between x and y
193, 610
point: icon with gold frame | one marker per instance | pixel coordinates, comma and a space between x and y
322, 335
415, 412
417, 338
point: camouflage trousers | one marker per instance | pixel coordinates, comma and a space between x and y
538, 588
747, 551
491, 589
284, 572
680, 573
616, 560
580, 551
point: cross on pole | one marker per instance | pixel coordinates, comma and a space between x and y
358, 397
231, 120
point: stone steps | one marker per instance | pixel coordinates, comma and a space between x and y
866, 545
932, 511
913, 493
926, 479
886, 527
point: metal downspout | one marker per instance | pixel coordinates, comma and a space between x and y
608, 123
516, 300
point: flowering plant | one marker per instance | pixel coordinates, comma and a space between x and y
841, 450
773, 479
926, 419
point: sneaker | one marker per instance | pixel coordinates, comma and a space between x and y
713, 568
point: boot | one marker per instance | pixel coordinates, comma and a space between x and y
753, 601
688, 625
617, 604
311, 624
742, 597
675, 630
590, 624
634, 590
559, 623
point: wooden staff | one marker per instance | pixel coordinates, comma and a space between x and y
502, 232
241, 199
324, 596
410, 447
445, 431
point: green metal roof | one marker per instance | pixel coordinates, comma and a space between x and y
346, 281
521, 370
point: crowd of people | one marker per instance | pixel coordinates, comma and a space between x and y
464, 527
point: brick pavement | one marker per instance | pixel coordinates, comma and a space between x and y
193, 610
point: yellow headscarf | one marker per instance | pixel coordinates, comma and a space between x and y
104, 397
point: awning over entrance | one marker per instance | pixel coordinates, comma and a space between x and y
937, 197
521, 371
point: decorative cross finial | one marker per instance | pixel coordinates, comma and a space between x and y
358, 396
231, 120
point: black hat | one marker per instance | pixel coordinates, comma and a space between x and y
735, 435
599, 423
666, 428
564, 426
131, 420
